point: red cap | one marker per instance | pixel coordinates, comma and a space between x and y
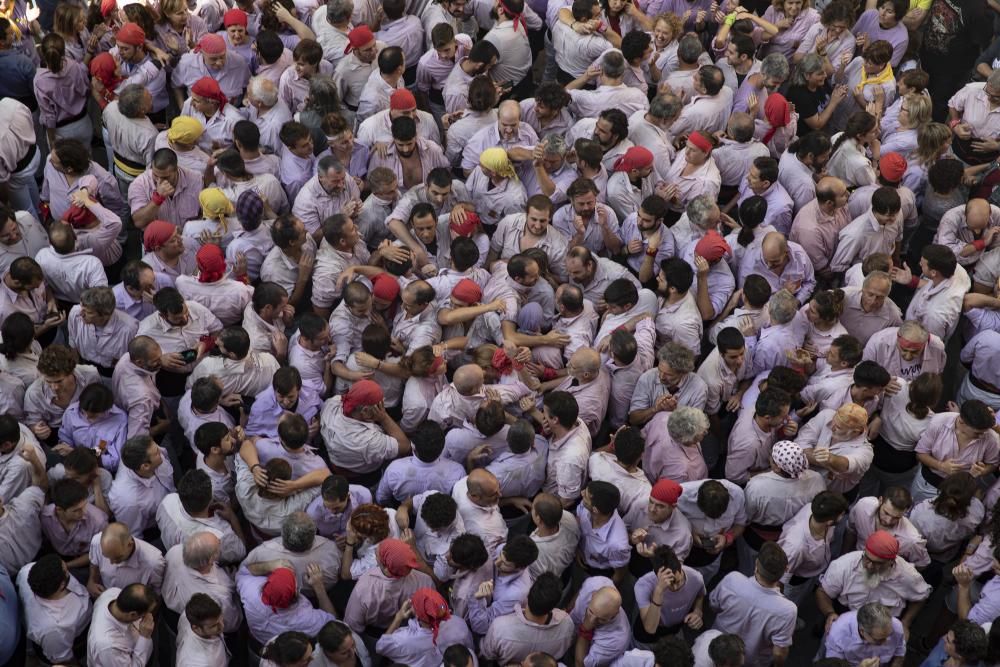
882, 544
279, 590
208, 88
235, 16
635, 157
131, 34
467, 291
402, 100
666, 491
468, 226
211, 44
892, 166
385, 287
712, 246
358, 37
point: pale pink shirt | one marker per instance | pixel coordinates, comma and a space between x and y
450, 408
705, 180
486, 522
734, 159
624, 378
176, 525
807, 556
354, 445
858, 451
955, 233
945, 535
181, 582
633, 486
749, 448
818, 233
512, 637
111, 643
249, 376
975, 110
939, 307
941, 442
680, 322
179, 207
666, 458
709, 113
882, 348
102, 240
772, 499
493, 202
314, 204
232, 78
54, 624
589, 103
225, 298
134, 499
720, 381
864, 236
39, 399
431, 157
567, 463
69, 275
591, 398
763, 617
76, 540
20, 530
866, 326
863, 521
144, 566
218, 130
376, 598
844, 581
323, 552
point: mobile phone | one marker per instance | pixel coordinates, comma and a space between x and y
189, 355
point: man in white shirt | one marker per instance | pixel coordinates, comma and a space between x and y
937, 303
122, 627
199, 634
56, 608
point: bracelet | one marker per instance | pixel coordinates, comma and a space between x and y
158, 199
955, 121
651, 252
656, 604
352, 544
255, 466
730, 538
730, 19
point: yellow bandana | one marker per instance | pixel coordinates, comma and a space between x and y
885, 76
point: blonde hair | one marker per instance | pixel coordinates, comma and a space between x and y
932, 138
673, 22
918, 107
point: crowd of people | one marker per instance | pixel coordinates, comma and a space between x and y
632, 333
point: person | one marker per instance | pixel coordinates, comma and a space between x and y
869, 632
122, 626
57, 608
430, 628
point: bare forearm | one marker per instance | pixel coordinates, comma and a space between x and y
145, 215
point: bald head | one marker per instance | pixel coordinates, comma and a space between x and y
468, 379
548, 508
201, 550
605, 604
774, 251
585, 360
143, 348
977, 214
509, 111
831, 192
741, 127
484, 489
116, 542
62, 238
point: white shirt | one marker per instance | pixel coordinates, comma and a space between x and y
111, 643
54, 624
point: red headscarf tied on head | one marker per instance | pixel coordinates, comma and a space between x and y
778, 114
892, 166
702, 142
712, 246
208, 88
503, 364
234, 16
156, 234
362, 393
108, 6
211, 263
212, 44
358, 37
635, 157
78, 216
882, 544
279, 591
104, 69
431, 608
468, 226
396, 556
402, 100
385, 287
131, 34
666, 491
518, 19
467, 291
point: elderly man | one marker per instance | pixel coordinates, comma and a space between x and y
971, 117
937, 303
711, 105
330, 191
868, 309
675, 454
267, 111
603, 632
131, 132
784, 264
192, 567
817, 224
736, 155
165, 191
589, 383
144, 479
212, 59
672, 383
866, 633
508, 133
299, 545
122, 626
117, 559
478, 497
461, 399
906, 351
360, 437
756, 610
970, 231
211, 108
875, 574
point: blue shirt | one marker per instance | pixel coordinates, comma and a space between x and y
17, 76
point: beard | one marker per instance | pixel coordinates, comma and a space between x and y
872, 579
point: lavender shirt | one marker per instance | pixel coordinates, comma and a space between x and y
676, 604
610, 640
844, 641
111, 428
868, 24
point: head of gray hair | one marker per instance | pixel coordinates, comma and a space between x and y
687, 425
677, 356
298, 532
993, 80
263, 90
809, 65
130, 100
689, 49
741, 127
666, 106
699, 210
914, 331
101, 300
775, 66
613, 65
782, 307
873, 616
323, 96
200, 550
876, 275
338, 11
555, 144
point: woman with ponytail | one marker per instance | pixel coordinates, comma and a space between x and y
19, 348
753, 210
214, 288
849, 160
823, 314
951, 518
421, 631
